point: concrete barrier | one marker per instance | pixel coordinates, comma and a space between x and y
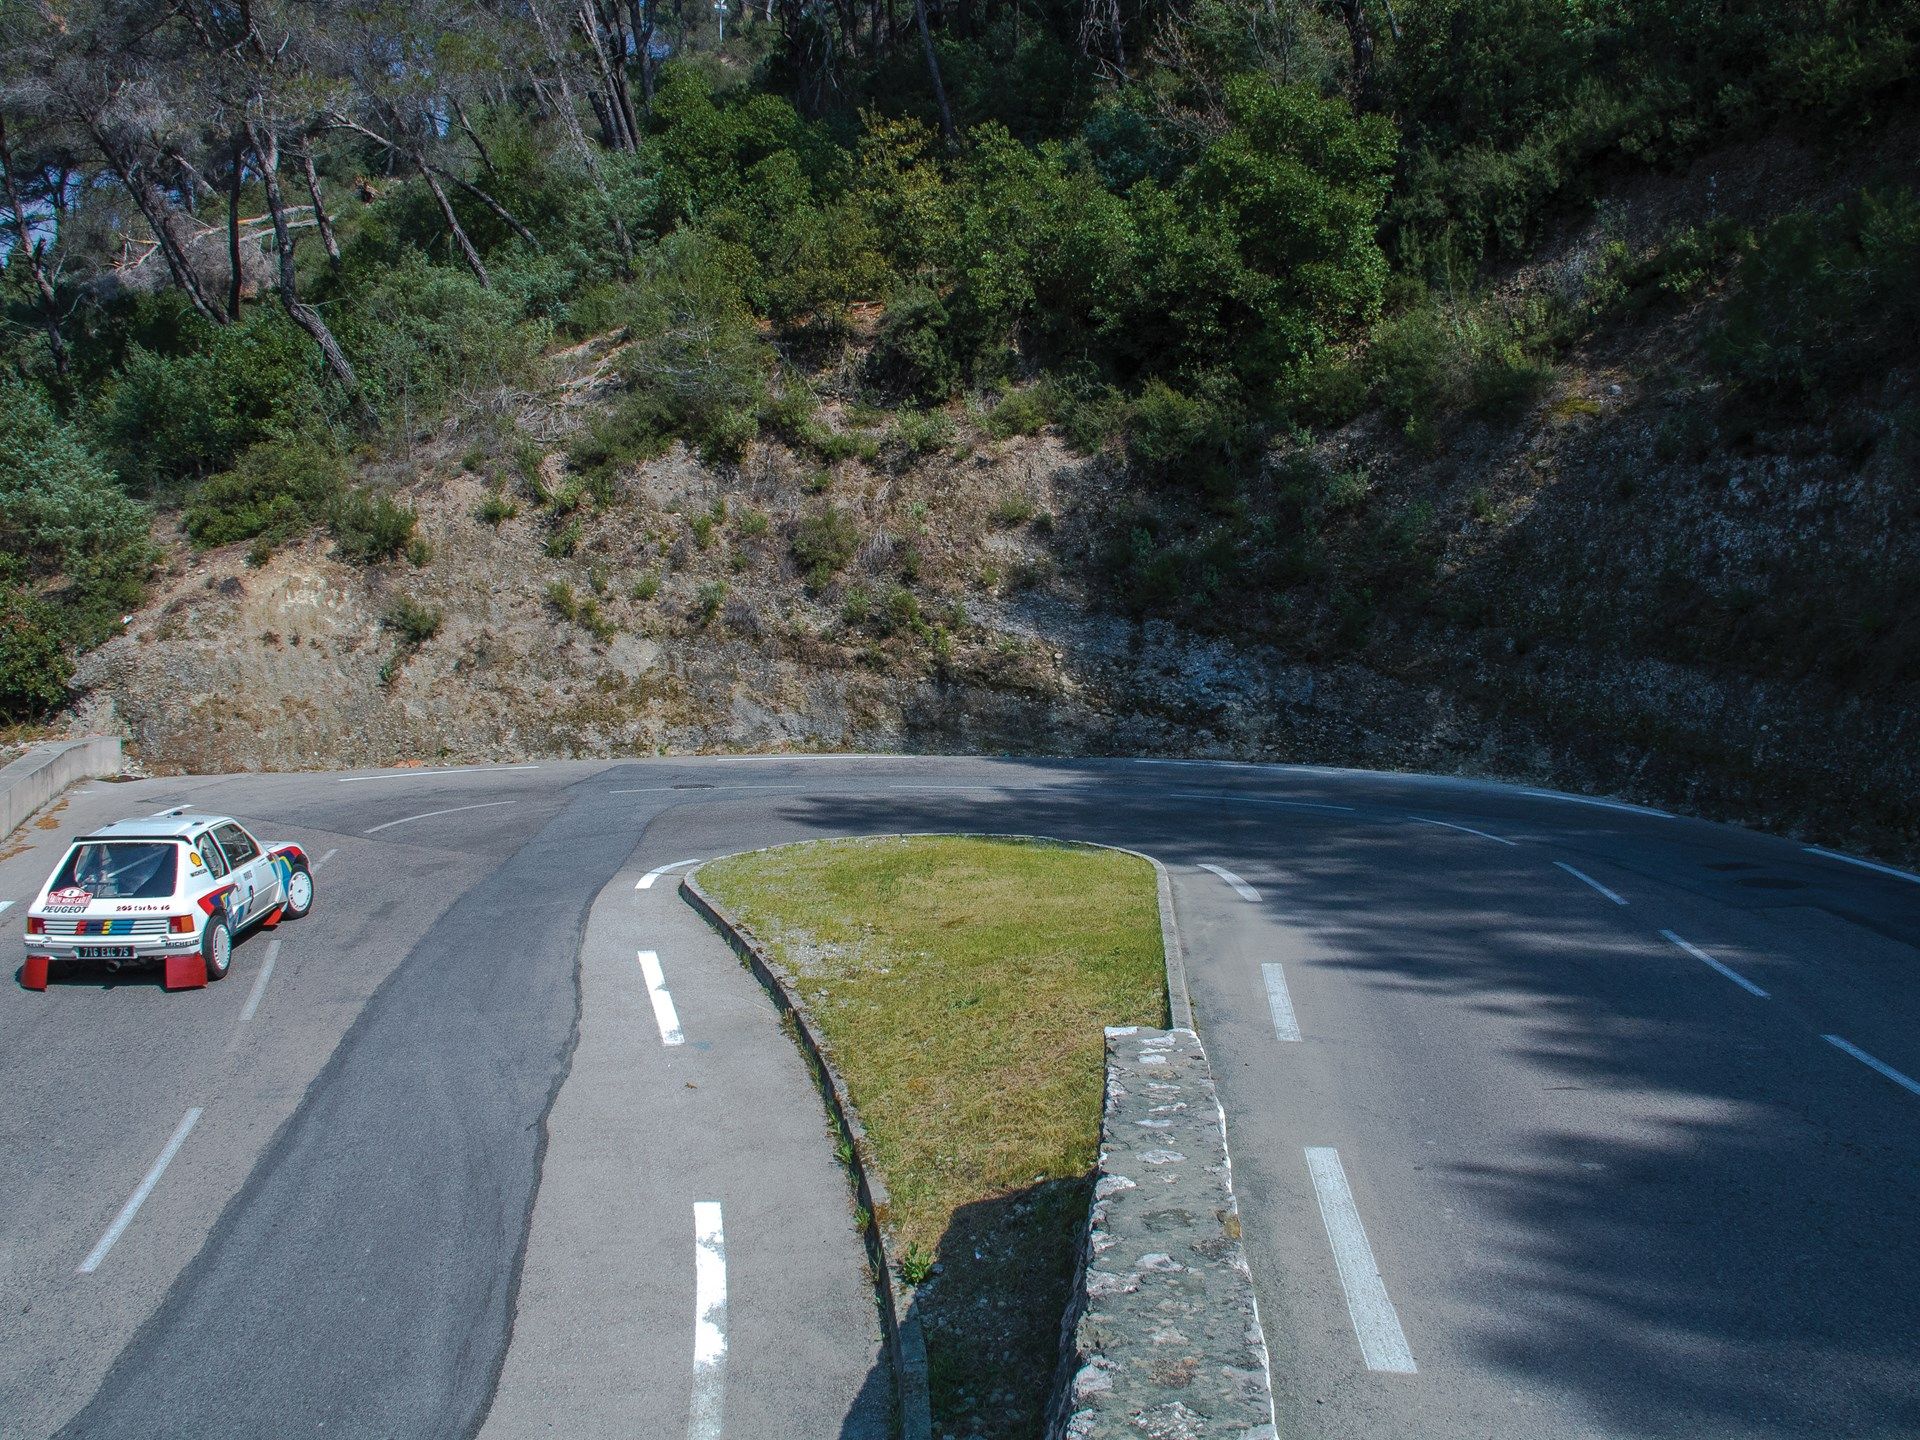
1162, 1334
45, 770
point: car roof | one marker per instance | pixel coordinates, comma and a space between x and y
167, 825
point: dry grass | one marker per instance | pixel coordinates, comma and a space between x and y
962, 986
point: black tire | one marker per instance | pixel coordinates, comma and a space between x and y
300, 876
216, 948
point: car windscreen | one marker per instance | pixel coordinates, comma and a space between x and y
121, 869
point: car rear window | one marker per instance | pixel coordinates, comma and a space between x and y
121, 869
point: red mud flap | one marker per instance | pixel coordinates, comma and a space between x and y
274, 919
33, 974
186, 972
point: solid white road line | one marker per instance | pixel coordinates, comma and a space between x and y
709, 1322
645, 882
415, 774
1734, 975
253, 997
694, 789
1254, 800
1463, 829
139, 1196
1383, 1345
1598, 804
963, 787
1863, 864
1285, 1025
664, 1015
1587, 879
1906, 1082
326, 857
429, 814
1244, 890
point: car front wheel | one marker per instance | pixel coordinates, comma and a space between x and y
216, 948
299, 893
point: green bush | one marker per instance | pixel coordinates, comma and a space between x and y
369, 527
1196, 441
823, 543
1824, 303
34, 669
913, 356
1019, 412
278, 490
920, 432
413, 621
65, 527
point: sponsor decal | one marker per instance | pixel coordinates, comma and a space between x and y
103, 927
70, 901
210, 901
140, 909
193, 859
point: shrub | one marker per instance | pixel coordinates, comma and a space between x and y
496, 509
823, 543
920, 432
912, 356
369, 528
562, 542
647, 585
1019, 412
414, 622
1191, 439
33, 668
637, 428
280, 489
708, 599
65, 526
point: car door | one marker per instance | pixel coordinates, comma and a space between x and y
253, 880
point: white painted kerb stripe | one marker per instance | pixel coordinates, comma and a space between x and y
664, 1014
646, 881
1383, 1345
1463, 829
139, 1196
1904, 1081
1241, 888
709, 1322
1285, 1025
429, 814
1734, 975
1587, 879
1864, 864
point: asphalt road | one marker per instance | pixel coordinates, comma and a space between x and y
497, 1142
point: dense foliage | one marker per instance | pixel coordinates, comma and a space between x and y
1205, 225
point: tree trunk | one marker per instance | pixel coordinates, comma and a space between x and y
320, 217
460, 112
494, 207
454, 228
933, 73
23, 244
1360, 39
570, 117
233, 226
153, 207
266, 153
643, 38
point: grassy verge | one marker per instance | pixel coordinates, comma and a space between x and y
962, 985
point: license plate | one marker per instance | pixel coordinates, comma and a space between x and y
105, 952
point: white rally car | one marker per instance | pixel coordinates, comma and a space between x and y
174, 889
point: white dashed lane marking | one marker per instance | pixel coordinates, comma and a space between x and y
1727, 970
1586, 879
139, 1196
1463, 829
1279, 1002
1905, 1082
1240, 887
258, 992
709, 1322
646, 881
429, 814
1383, 1345
664, 1015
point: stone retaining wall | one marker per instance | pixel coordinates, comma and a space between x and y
1162, 1337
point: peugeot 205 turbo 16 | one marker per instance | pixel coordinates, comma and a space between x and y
174, 889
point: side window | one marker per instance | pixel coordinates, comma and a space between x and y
210, 856
237, 844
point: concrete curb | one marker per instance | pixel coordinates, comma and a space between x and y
906, 1345
45, 770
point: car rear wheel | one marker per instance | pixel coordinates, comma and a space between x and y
299, 893
216, 948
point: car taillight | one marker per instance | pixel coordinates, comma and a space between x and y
35, 925
180, 924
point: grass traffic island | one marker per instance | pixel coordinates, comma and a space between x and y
962, 985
